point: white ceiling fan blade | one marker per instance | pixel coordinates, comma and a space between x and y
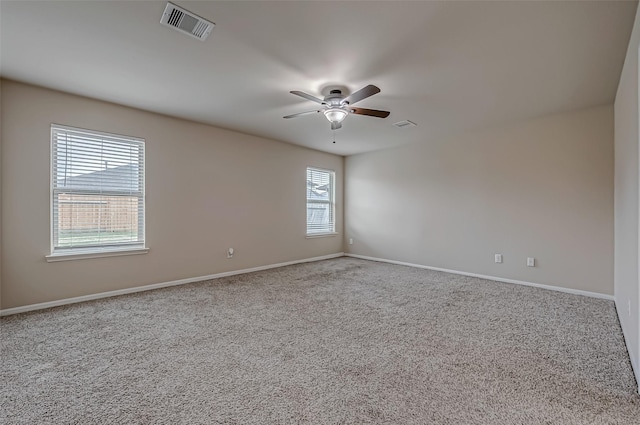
307, 96
299, 114
363, 93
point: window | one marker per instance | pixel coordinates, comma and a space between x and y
320, 202
97, 192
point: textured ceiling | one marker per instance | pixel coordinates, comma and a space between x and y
448, 66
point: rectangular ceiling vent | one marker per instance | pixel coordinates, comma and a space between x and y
405, 123
186, 22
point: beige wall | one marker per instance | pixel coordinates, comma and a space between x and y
627, 197
0, 196
542, 188
207, 189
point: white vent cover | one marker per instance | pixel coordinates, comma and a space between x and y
186, 22
405, 123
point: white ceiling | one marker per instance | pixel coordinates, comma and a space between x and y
448, 66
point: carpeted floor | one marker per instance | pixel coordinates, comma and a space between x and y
342, 341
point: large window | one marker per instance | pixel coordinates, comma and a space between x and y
97, 192
320, 202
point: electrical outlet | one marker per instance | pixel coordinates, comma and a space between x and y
498, 258
531, 262
230, 253
350, 241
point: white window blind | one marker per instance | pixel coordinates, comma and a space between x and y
320, 201
97, 196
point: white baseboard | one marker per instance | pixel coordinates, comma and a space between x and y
498, 279
635, 363
49, 304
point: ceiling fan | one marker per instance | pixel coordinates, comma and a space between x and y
336, 106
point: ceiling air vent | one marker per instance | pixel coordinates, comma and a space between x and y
405, 123
186, 22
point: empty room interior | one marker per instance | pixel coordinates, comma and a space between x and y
256, 212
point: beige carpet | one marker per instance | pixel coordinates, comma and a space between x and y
342, 341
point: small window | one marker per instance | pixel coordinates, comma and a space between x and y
97, 191
320, 202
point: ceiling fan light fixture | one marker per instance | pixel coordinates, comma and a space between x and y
335, 115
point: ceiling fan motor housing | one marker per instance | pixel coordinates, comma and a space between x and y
334, 98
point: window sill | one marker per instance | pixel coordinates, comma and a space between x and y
94, 254
321, 235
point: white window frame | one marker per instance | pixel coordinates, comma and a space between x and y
104, 249
331, 202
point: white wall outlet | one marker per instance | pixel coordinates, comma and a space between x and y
531, 262
498, 258
350, 241
230, 253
